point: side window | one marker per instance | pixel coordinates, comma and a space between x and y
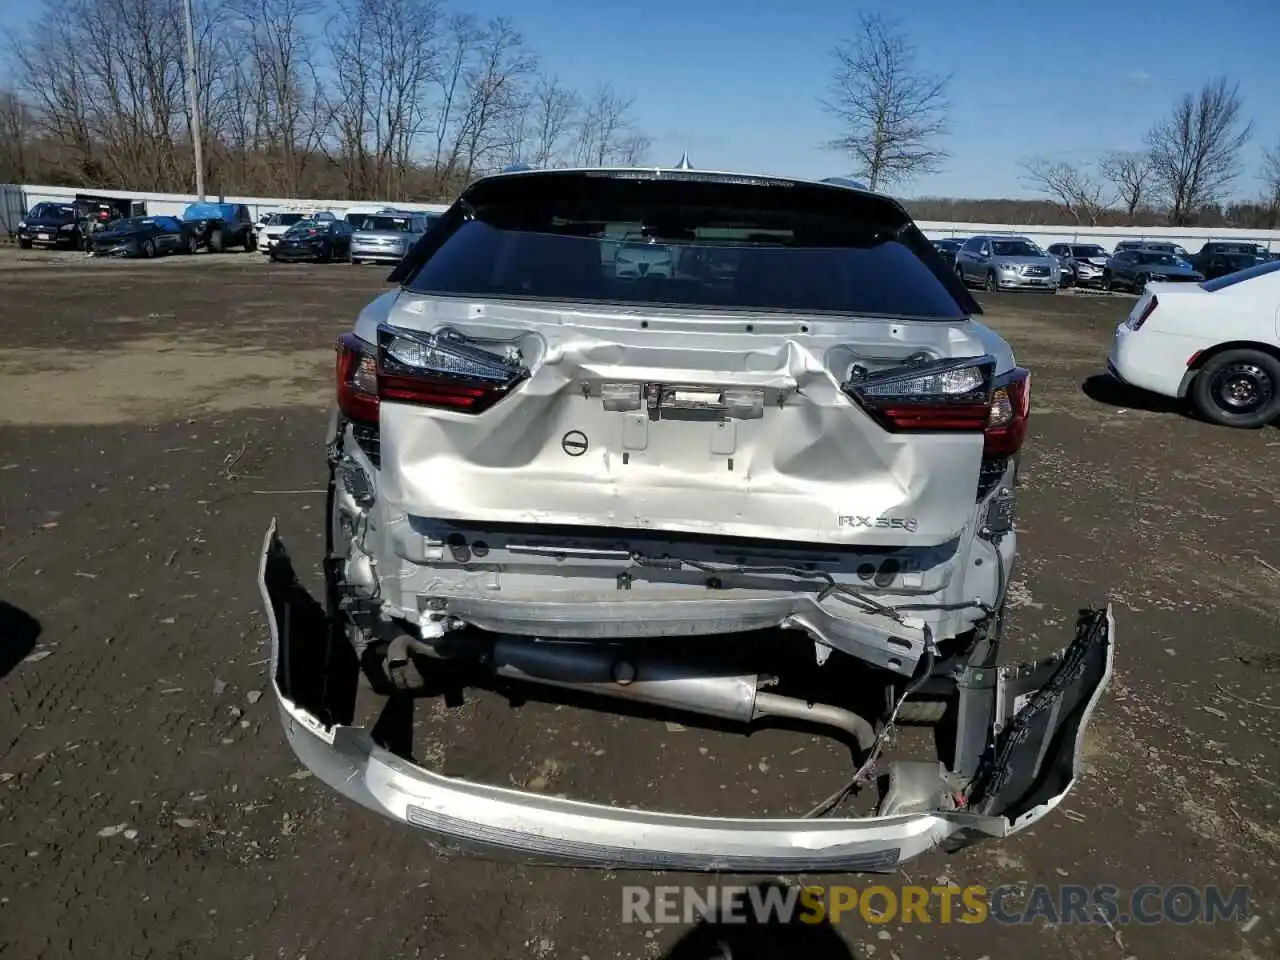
971, 245
986, 249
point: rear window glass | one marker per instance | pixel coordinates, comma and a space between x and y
655, 246
400, 224
1240, 276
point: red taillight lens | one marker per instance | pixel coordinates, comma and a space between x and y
1147, 311
443, 370
357, 379
937, 396
1010, 411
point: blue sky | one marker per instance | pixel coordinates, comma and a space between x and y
736, 84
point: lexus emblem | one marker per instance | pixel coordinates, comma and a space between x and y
574, 443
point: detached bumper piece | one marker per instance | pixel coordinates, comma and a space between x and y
1021, 727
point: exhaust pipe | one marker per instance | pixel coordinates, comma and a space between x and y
590, 668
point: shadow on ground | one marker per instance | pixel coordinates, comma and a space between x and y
746, 938
18, 634
1106, 389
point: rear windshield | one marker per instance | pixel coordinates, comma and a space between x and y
708, 248
285, 219
1015, 248
400, 224
1231, 279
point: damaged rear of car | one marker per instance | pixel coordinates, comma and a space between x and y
792, 451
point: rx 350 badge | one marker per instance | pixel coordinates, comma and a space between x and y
907, 524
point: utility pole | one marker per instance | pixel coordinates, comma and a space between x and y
194, 99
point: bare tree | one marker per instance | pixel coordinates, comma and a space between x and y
606, 132
16, 127
550, 121
891, 114
1129, 174
1271, 181
384, 53
282, 115
495, 90
1072, 189
1195, 151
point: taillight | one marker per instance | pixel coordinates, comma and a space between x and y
1137, 322
934, 396
1010, 412
443, 370
357, 379
949, 396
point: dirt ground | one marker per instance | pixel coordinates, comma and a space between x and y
154, 417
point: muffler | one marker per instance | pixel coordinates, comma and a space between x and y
592, 668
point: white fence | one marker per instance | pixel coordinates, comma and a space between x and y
16, 199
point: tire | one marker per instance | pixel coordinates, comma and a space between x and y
191, 246
148, 249
353, 260
991, 284
215, 241
1238, 388
24, 244
1108, 284
960, 275
1140, 283
250, 242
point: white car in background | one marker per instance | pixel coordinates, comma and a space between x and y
1216, 344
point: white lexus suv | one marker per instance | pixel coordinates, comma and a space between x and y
792, 451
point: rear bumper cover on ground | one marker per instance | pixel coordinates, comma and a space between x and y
1035, 715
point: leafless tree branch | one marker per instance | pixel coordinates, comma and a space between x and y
1195, 151
891, 114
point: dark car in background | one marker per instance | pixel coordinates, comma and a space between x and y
50, 225
947, 250
1081, 263
317, 241
1217, 258
220, 226
1175, 250
1135, 268
144, 237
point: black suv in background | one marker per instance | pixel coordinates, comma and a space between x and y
51, 225
1217, 258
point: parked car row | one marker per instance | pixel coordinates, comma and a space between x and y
381, 235
362, 234
1016, 263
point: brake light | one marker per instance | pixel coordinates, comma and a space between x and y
1137, 322
933, 396
357, 379
443, 370
1010, 412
